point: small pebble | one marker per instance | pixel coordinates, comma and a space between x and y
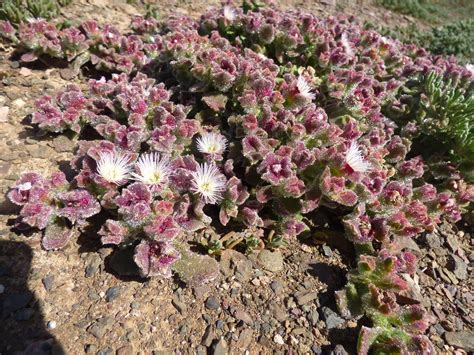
211, 303
2, 288
52, 324
278, 339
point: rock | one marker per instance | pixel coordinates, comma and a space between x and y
220, 324
4, 113
327, 251
112, 293
180, 306
279, 312
304, 297
208, 336
271, 261
68, 73
331, 318
435, 243
63, 144
125, 350
463, 340
278, 339
276, 286
459, 267
236, 264
39, 151
2, 289
15, 301
220, 348
93, 263
90, 349
99, 328
316, 349
107, 351
243, 316
51, 324
245, 338
24, 314
313, 317
25, 71
212, 303
194, 269
339, 350
48, 282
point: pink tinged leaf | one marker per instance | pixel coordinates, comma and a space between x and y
216, 102
29, 57
224, 217
187, 128
29, 188
155, 259
163, 208
293, 227
112, 232
56, 236
78, 205
413, 168
137, 214
133, 194
58, 180
254, 149
162, 229
37, 214
275, 169
367, 337
251, 218
294, 187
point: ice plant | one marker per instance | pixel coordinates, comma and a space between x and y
114, 167
211, 143
354, 160
260, 117
304, 89
208, 183
152, 169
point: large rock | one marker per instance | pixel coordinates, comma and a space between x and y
463, 340
271, 261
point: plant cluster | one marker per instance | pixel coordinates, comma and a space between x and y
250, 121
19, 11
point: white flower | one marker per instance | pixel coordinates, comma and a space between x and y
470, 67
355, 160
347, 45
304, 88
152, 169
24, 187
229, 13
114, 167
208, 182
211, 143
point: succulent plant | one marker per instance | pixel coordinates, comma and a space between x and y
249, 120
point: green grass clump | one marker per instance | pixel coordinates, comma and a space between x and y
18, 11
452, 39
456, 38
416, 8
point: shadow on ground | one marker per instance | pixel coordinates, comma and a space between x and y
22, 325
